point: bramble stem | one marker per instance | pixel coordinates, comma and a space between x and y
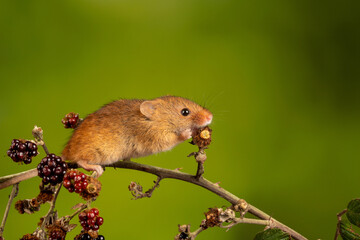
167, 173
13, 194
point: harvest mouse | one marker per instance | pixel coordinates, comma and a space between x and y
126, 129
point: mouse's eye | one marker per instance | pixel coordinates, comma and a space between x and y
185, 112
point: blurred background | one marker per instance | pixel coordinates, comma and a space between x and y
281, 77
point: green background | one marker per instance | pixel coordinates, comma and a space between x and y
281, 77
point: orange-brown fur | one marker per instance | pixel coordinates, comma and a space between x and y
127, 129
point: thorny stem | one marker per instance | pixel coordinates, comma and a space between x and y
13, 194
77, 211
167, 173
202, 182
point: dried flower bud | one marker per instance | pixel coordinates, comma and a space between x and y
56, 232
184, 232
93, 234
28, 206
92, 190
19, 206
202, 137
184, 228
45, 196
212, 217
226, 215
136, 190
241, 206
37, 132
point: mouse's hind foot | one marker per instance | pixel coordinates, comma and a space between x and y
90, 167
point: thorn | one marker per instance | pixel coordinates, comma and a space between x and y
218, 184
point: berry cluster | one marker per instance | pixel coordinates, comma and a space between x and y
75, 180
71, 120
52, 169
90, 219
87, 236
22, 151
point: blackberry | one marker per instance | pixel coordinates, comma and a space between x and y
85, 236
75, 181
22, 151
100, 237
71, 120
52, 169
184, 235
90, 219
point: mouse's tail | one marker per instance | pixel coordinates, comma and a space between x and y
9, 180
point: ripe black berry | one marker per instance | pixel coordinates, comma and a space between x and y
71, 120
85, 236
22, 151
183, 235
100, 237
52, 169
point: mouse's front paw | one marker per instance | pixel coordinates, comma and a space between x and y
186, 134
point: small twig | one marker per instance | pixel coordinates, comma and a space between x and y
200, 170
52, 207
45, 148
339, 216
149, 192
77, 212
194, 234
200, 157
13, 194
37, 132
137, 190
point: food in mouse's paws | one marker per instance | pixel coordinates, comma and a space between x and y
71, 120
52, 169
76, 181
22, 151
202, 137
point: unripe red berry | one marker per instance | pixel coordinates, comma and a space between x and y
77, 178
91, 222
95, 211
95, 227
99, 221
90, 214
67, 183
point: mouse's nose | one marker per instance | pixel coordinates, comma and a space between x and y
209, 118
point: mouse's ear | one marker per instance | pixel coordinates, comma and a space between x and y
148, 108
